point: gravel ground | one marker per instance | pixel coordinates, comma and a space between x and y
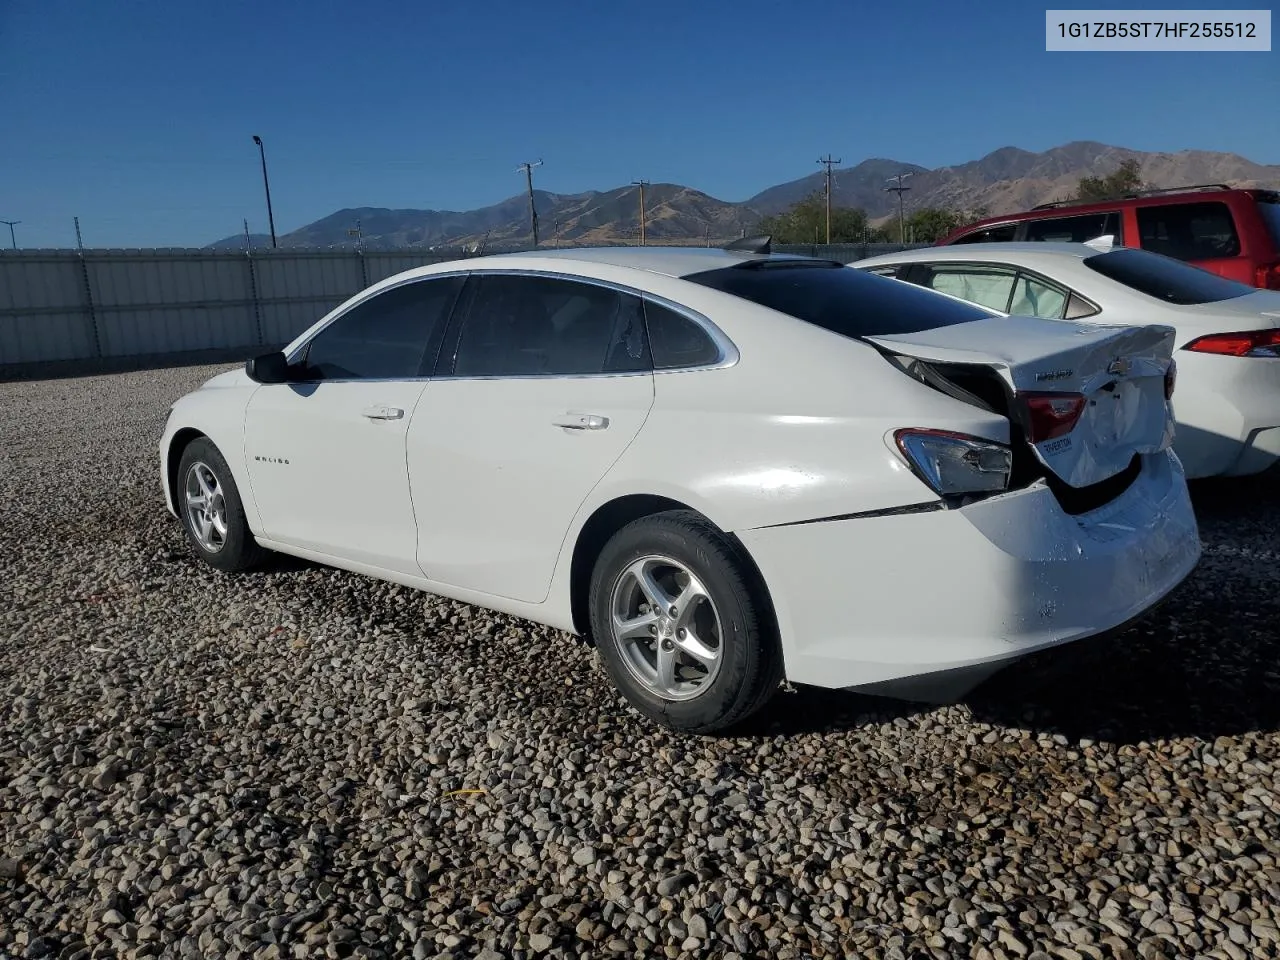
303, 762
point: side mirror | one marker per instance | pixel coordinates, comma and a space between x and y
268, 368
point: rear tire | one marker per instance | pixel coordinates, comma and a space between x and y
211, 510
683, 624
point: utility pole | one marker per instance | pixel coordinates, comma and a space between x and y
829, 164
262, 151
900, 190
79, 242
533, 209
248, 244
641, 184
11, 224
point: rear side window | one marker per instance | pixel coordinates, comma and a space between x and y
1189, 231
841, 299
676, 341
1001, 234
1270, 213
1076, 229
1164, 278
1032, 298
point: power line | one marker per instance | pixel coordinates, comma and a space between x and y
900, 190
829, 164
533, 208
641, 184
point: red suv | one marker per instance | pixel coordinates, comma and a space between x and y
1231, 232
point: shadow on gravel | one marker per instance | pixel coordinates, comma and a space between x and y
1142, 686
1237, 498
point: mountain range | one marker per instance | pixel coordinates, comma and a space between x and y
1004, 181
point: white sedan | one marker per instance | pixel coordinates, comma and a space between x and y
1228, 333
727, 468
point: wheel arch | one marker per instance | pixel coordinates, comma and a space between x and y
173, 457
610, 517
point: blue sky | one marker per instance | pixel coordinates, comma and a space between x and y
136, 115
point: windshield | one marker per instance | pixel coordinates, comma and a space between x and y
838, 298
1165, 279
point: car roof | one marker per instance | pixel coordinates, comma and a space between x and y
1022, 252
1072, 208
667, 261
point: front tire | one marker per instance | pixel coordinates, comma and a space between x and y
211, 510
683, 624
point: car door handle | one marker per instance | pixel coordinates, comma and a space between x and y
381, 411
581, 421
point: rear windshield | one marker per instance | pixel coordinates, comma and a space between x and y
841, 299
1165, 279
1270, 211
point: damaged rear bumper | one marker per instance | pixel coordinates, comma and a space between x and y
927, 605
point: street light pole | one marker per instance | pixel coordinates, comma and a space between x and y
10, 224
267, 186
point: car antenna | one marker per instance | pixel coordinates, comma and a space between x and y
761, 244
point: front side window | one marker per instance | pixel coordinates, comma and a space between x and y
1164, 278
386, 337
1189, 231
546, 326
989, 286
1075, 229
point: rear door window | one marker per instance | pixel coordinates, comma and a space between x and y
1075, 229
988, 286
519, 326
1189, 231
1164, 278
838, 298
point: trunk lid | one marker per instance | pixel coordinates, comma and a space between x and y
1118, 373
1253, 311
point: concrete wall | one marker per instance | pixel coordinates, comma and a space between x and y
83, 311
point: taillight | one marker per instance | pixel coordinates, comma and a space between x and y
956, 463
1268, 276
1170, 379
1250, 343
1052, 415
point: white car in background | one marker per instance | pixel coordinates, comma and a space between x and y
725, 467
1228, 333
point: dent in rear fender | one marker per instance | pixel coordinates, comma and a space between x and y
747, 471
